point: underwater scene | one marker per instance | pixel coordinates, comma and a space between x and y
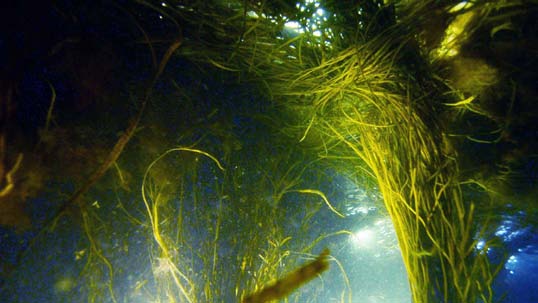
377, 151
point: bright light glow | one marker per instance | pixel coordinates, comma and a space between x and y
375, 257
462, 5
508, 231
511, 264
293, 25
363, 239
252, 14
455, 35
360, 210
377, 238
314, 24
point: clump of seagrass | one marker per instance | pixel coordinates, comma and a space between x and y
362, 106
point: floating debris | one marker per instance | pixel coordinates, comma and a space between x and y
283, 287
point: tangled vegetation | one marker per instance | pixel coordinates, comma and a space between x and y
235, 109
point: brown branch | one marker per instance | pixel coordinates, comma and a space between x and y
112, 156
124, 139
